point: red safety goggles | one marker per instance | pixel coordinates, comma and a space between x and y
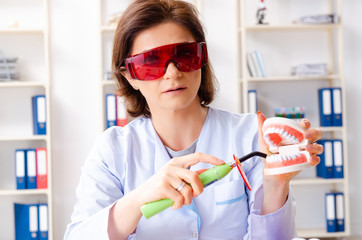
152, 64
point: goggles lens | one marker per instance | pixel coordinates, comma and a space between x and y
152, 64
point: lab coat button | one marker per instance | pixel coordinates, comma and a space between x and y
194, 234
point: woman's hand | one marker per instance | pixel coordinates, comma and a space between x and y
166, 181
276, 187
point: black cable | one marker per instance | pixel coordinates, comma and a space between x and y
252, 154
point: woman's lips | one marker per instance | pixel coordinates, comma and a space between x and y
175, 90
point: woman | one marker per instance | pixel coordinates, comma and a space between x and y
160, 62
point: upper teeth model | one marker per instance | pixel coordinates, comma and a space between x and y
285, 138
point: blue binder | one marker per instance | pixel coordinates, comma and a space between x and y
26, 221
111, 110
339, 211
337, 158
39, 114
336, 94
31, 168
325, 107
43, 221
253, 102
20, 168
330, 207
325, 167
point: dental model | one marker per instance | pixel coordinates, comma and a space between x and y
285, 138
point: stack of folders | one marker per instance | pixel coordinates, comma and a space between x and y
116, 113
335, 211
31, 168
331, 160
255, 64
253, 101
39, 114
318, 19
330, 107
310, 69
31, 221
7, 69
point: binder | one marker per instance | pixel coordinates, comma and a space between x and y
111, 110
325, 107
20, 168
31, 168
39, 114
253, 104
41, 168
251, 65
337, 158
340, 211
26, 221
330, 212
121, 112
325, 167
43, 221
260, 62
336, 107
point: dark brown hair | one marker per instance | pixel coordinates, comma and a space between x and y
141, 15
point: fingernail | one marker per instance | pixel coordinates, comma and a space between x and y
258, 112
307, 134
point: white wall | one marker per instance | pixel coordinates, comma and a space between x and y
76, 93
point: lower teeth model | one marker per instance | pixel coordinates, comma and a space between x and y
285, 138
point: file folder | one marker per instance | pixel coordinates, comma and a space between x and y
325, 107
340, 211
20, 168
337, 107
121, 112
330, 212
41, 168
31, 168
325, 167
43, 222
111, 118
337, 158
26, 221
253, 104
39, 114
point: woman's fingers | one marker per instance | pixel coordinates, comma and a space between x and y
192, 159
315, 148
313, 134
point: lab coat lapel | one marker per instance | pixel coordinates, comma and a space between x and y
161, 156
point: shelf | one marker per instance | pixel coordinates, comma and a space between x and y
24, 138
319, 233
292, 78
331, 129
108, 83
21, 30
315, 181
14, 192
108, 29
292, 27
13, 83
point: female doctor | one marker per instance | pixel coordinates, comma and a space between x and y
160, 62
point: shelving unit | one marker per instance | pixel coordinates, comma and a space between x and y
24, 33
323, 41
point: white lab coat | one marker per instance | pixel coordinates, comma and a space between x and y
123, 158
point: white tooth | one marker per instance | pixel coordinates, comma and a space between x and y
282, 131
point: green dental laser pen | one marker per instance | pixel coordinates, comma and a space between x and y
207, 178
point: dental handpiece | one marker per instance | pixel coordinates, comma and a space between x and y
207, 178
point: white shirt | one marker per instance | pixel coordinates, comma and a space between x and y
123, 158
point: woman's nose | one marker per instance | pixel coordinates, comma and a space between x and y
171, 71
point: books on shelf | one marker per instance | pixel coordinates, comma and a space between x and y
31, 169
296, 113
330, 107
331, 160
334, 205
310, 69
39, 114
318, 19
255, 64
31, 221
116, 113
8, 70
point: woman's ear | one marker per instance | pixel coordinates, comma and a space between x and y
130, 80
